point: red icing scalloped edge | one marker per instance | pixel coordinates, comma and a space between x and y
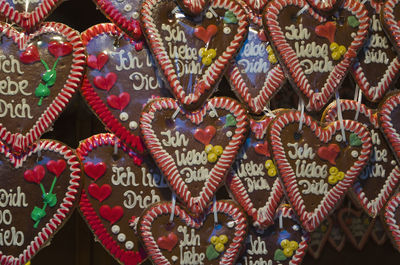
166, 163
65, 208
214, 72
228, 208
390, 220
311, 220
87, 210
372, 207
316, 99
95, 102
60, 102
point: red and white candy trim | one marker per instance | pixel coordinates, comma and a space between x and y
311, 220
325, 5
390, 22
290, 60
66, 206
165, 208
214, 72
390, 219
166, 162
18, 141
194, 6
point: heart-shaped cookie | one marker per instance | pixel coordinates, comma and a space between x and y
319, 237
376, 68
254, 181
194, 168
337, 238
41, 73
28, 14
378, 233
357, 225
39, 191
390, 21
193, 7
118, 186
189, 240
377, 183
315, 51
121, 78
193, 54
255, 75
314, 185
392, 220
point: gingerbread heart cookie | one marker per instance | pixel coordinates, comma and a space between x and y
378, 233
284, 242
39, 190
254, 181
41, 72
390, 16
187, 148
255, 75
376, 68
119, 186
193, 53
319, 237
377, 183
121, 78
392, 220
315, 51
189, 240
316, 168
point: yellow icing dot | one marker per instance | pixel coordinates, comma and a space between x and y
333, 171
285, 243
342, 50
223, 239
269, 164
208, 148
272, 58
211, 53
323, 228
334, 46
332, 179
206, 61
202, 51
288, 252
218, 150
212, 158
272, 171
340, 175
269, 49
219, 247
336, 56
214, 240
294, 245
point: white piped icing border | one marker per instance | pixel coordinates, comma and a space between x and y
393, 225
311, 220
390, 24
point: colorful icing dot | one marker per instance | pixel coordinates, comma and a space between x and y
332, 179
272, 172
219, 247
212, 158
231, 224
342, 50
295, 227
269, 49
227, 30
279, 256
223, 239
334, 46
285, 243
355, 140
208, 148
206, 61
288, 252
209, 15
202, 52
228, 134
218, 150
230, 121
338, 138
135, 15
269, 164
354, 153
272, 58
212, 114
129, 245
127, 7
214, 240
211, 53
336, 55
121, 237
123, 116
333, 170
230, 18
115, 229
353, 21
211, 253
340, 175
294, 245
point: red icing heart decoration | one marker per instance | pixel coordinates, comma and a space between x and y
59, 49
120, 101
167, 242
97, 62
30, 55
95, 171
295, 154
326, 30
107, 82
99, 193
205, 34
111, 214
205, 136
392, 220
329, 153
36, 175
56, 167
262, 148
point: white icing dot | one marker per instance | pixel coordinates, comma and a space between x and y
229, 134
127, 7
295, 228
135, 15
227, 30
129, 245
174, 258
353, 35
354, 153
115, 229
230, 224
212, 114
121, 237
339, 138
133, 125
393, 162
209, 15
123, 116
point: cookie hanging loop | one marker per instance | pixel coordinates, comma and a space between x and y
215, 210
280, 221
358, 98
176, 112
340, 117
301, 109
171, 217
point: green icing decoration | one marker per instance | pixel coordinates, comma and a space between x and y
355, 140
38, 214
279, 256
211, 253
41, 92
230, 121
230, 18
50, 199
353, 21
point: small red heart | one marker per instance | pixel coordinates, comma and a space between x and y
205, 35
36, 175
97, 62
30, 55
95, 171
119, 102
105, 83
58, 49
205, 136
262, 149
56, 167
99, 193
111, 214
167, 242
262, 36
329, 153
326, 30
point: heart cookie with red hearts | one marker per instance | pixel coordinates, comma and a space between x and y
268, 246
380, 178
40, 189
337, 238
119, 186
28, 14
189, 240
193, 54
378, 233
255, 75
376, 68
119, 80
193, 7
42, 71
319, 237
314, 184
390, 22
392, 220
254, 181
187, 148
315, 51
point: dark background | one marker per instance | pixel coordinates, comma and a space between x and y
74, 243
